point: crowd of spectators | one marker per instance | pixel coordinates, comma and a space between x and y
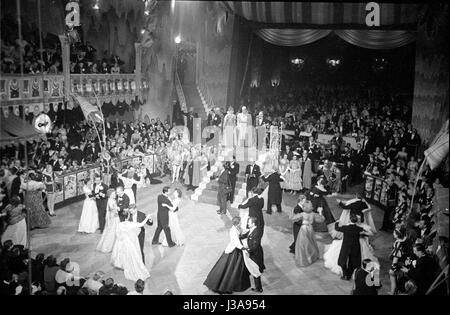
49, 277
46, 59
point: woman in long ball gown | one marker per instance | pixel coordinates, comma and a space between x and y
196, 172
34, 201
126, 253
230, 273
331, 254
294, 176
108, 238
89, 215
283, 166
306, 167
306, 249
174, 224
16, 231
229, 125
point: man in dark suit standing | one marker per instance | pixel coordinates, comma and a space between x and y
100, 189
137, 217
163, 218
252, 173
224, 187
255, 250
297, 224
14, 189
123, 201
190, 122
255, 204
359, 161
233, 171
350, 254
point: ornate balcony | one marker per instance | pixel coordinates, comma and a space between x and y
49, 88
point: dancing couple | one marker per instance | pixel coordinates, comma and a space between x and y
242, 257
93, 213
167, 218
356, 225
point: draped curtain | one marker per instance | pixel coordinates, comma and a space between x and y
291, 37
371, 39
376, 39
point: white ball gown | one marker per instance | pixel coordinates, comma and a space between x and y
126, 253
89, 215
108, 238
174, 224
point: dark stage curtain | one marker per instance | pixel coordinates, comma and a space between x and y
291, 37
371, 39
376, 39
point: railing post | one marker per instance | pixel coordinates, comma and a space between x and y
65, 55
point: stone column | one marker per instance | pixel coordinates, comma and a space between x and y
138, 69
65, 56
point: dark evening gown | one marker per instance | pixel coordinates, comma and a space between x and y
230, 273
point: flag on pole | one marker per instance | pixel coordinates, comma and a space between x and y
90, 111
438, 149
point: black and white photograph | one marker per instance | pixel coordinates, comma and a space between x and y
238, 150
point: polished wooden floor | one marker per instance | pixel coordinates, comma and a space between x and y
183, 269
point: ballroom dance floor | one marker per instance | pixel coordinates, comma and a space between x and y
183, 269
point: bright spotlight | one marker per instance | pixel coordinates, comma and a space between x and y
177, 39
143, 31
172, 5
96, 6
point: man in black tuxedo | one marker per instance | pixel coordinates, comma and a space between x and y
350, 254
359, 160
255, 204
100, 189
255, 250
223, 191
163, 218
137, 217
252, 173
297, 224
190, 122
14, 189
123, 201
233, 171
260, 124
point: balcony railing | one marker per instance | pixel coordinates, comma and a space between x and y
37, 88
202, 85
180, 93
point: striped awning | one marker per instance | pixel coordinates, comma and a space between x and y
336, 15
